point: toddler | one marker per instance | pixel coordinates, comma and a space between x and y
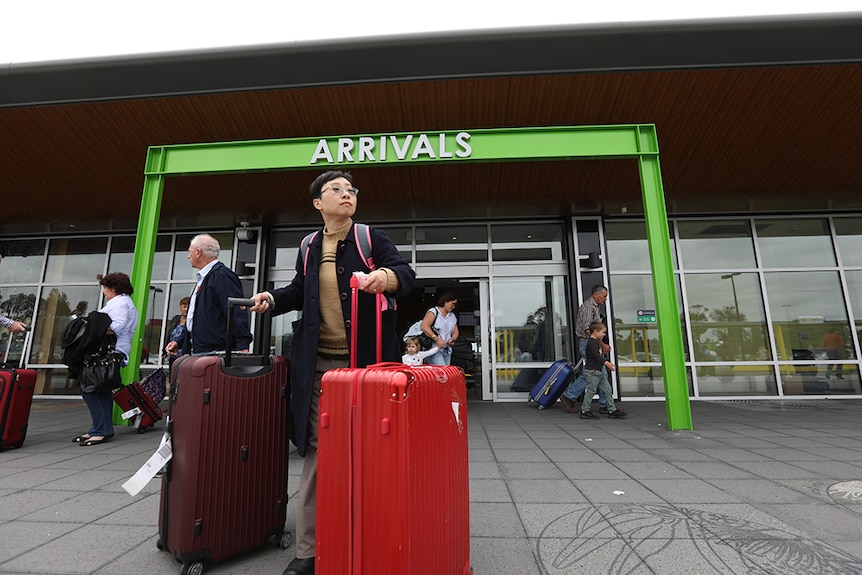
414, 356
596, 378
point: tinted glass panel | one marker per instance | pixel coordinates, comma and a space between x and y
716, 244
795, 243
849, 237
22, 260
627, 246
76, 260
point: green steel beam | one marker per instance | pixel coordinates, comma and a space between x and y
677, 400
637, 141
490, 145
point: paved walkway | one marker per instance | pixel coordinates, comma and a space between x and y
758, 487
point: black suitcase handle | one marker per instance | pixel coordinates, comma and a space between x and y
262, 346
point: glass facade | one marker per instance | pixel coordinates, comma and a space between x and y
768, 306
44, 282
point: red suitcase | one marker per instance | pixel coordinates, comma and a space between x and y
224, 491
393, 477
134, 396
16, 398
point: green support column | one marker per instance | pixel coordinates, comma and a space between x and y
145, 249
677, 401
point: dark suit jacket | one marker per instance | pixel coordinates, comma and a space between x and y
209, 324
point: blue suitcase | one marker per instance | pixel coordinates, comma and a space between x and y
554, 382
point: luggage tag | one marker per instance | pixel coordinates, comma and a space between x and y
152, 466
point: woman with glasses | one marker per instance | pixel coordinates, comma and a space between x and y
321, 289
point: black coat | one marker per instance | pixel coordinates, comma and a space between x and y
84, 337
209, 324
303, 293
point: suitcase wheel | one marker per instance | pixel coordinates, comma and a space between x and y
196, 568
283, 539
142, 429
541, 407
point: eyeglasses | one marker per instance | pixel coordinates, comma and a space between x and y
338, 190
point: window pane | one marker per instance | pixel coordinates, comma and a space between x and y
635, 341
451, 244
55, 311
644, 380
736, 380
21, 261
76, 260
795, 243
284, 247
123, 250
17, 304
530, 315
716, 244
805, 306
849, 237
527, 242
727, 315
627, 246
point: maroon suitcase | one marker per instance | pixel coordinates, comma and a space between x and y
393, 472
16, 398
134, 396
224, 491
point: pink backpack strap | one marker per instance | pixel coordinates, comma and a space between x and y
304, 249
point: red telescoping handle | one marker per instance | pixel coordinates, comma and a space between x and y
354, 323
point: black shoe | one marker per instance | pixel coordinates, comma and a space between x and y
300, 567
617, 414
588, 415
603, 410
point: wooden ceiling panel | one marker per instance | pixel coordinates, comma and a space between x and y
730, 139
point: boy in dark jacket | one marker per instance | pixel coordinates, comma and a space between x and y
596, 378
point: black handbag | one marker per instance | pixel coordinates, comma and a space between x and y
101, 373
426, 342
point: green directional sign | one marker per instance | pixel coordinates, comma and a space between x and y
646, 316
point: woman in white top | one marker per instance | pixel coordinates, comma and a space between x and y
443, 318
116, 287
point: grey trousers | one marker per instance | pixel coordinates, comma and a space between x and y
306, 498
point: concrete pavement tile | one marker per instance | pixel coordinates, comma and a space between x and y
838, 470
512, 443
481, 454
560, 520
751, 443
85, 480
39, 460
540, 490
520, 455
560, 442
675, 454
623, 454
731, 455
591, 470
574, 556
597, 441
578, 454
716, 470
840, 453
852, 548
732, 521
778, 469
22, 503
799, 443
495, 520
485, 470
81, 551
142, 510
29, 478
647, 443
83, 507
530, 470
789, 455
651, 470
608, 491
22, 536
758, 491
679, 491
688, 556
91, 460
489, 490
498, 555
828, 522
